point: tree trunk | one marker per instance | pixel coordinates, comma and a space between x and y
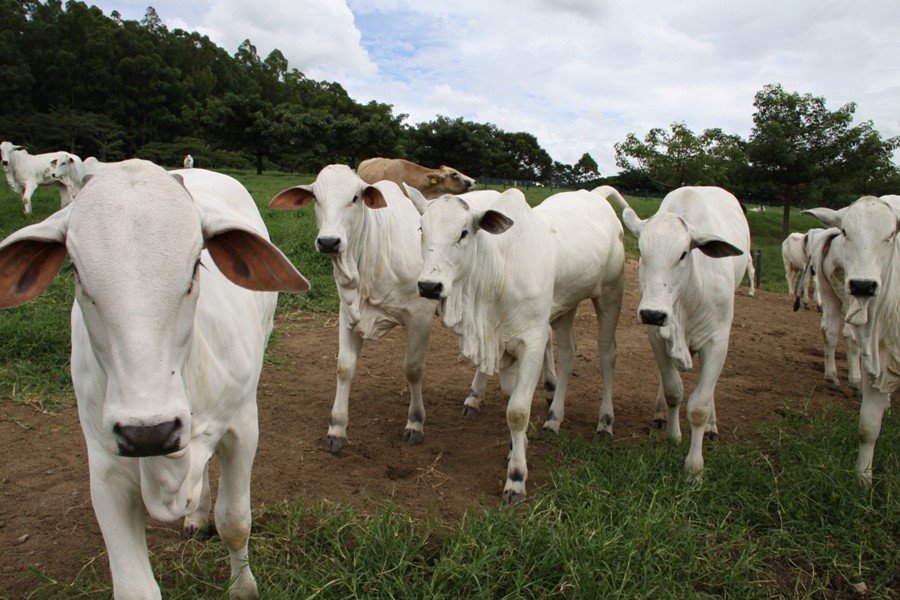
786, 217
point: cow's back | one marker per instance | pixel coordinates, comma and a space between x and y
397, 170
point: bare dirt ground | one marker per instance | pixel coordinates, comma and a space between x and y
46, 518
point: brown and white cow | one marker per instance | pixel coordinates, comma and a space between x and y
431, 182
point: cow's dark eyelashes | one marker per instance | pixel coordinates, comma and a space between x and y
464, 233
683, 256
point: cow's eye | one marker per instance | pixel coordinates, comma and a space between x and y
464, 233
355, 198
843, 233
683, 256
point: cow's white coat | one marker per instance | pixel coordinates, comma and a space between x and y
25, 172
166, 349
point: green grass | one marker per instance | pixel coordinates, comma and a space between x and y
781, 517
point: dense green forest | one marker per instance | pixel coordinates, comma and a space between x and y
76, 79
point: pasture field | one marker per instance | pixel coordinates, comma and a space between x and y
779, 514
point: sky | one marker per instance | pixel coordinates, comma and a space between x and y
579, 75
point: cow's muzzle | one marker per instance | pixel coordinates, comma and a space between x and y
653, 317
862, 288
431, 289
148, 440
328, 245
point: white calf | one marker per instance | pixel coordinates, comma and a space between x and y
691, 263
376, 260
25, 172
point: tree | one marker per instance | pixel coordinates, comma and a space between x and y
803, 149
678, 157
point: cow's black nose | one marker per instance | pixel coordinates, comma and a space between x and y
148, 440
864, 288
653, 317
328, 245
431, 289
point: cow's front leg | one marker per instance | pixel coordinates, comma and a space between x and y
236, 451
871, 413
349, 346
608, 308
417, 333
472, 403
116, 496
670, 392
701, 402
196, 524
518, 415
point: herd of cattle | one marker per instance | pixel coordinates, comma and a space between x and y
166, 375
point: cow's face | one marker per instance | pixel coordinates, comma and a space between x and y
869, 230
448, 230
6, 150
455, 182
134, 240
62, 167
341, 199
664, 267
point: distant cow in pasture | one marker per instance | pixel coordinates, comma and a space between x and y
68, 170
188, 162
25, 172
167, 349
825, 264
431, 182
871, 260
370, 232
794, 255
693, 255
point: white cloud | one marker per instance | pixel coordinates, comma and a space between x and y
578, 74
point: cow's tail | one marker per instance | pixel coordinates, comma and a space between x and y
801, 281
629, 217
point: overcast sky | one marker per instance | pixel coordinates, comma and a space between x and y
578, 74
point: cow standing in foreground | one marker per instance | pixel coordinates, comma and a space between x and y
166, 349
690, 265
25, 172
431, 182
871, 259
376, 260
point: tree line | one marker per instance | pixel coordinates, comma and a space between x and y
92, 84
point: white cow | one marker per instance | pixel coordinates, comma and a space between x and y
489, 263
25, 172
188, 161
376, 261
68, 170
825, 264
589, 262
690, 265
166, 351
794, 255
871, 260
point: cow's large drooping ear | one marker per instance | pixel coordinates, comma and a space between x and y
31, 257
418, 200
827, 216
373, 197
714, 246
253, 262
494, 222
293, 198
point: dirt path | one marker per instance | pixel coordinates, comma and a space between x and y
46, 518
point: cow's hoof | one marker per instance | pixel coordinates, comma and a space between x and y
335, 443
602, 436
659, 423
511, 497
413, 436
470, 411
712, 436
201, 534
